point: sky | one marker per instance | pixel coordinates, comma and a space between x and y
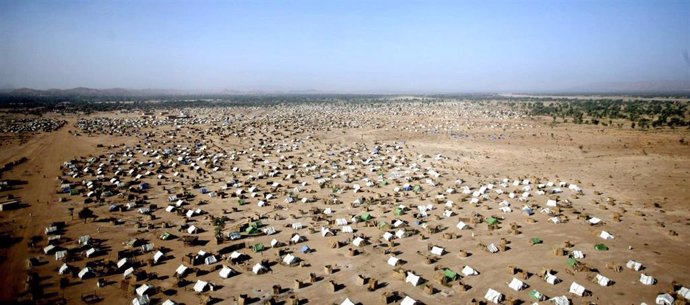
366, 46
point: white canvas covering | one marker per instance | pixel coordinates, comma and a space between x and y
413, 279
258, 268
577, 289
358, 241
191, 229
63, 269
289, 259
577, 254
347, 302
408, 301
467, 271
347, 229
200, 286
84, 272
226, 272
551, 279
560, 300
157, 256
664, 299
606, 235
128, 272
634, 265
437, 250
60, 254
393, 261
516, 284
646, 279
492, 248
493, 296
296, 238
181, 269
684, 292
141, 290
602, 280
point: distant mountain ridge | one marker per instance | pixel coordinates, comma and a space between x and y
84, 91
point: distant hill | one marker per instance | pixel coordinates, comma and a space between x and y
642, 86
83, 91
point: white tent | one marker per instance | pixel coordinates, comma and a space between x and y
634, 265
90, 252
289, 259
577, 254
493, 296
551, 279
577, 289
48, 249
200, 286
561, 300
387, 236
157, 256
325, 231
63, 269
408, 301
606, 235
226, 272
211, 259
191, 230
413, 279
602, 280
492, 248
121, 262
516, 284
60, 254
664, 299
181, 269
84, 272
646, 279
143, 288
141, 300
128, 272
400, 233
258, 268
347, 229
437, 250
347, 302
235, 255
358, 241
467, 271
684, 292
393, 261
169, 302
274, 242
296, 238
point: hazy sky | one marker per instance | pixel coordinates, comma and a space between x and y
332, 45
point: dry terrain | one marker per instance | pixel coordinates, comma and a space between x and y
321, 166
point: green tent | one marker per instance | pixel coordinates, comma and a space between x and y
74, 192
250, 230
536, 240
256, 224
258, 247
383, 225
241, 202
166, 236
601, 247
365, 216
398, 211
450, 274
417, 188
536, 295
492, 221
571, 262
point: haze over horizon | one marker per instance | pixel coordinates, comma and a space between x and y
343, 46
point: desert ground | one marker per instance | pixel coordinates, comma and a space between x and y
342, 189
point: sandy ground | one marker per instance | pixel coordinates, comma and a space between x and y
620, 171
